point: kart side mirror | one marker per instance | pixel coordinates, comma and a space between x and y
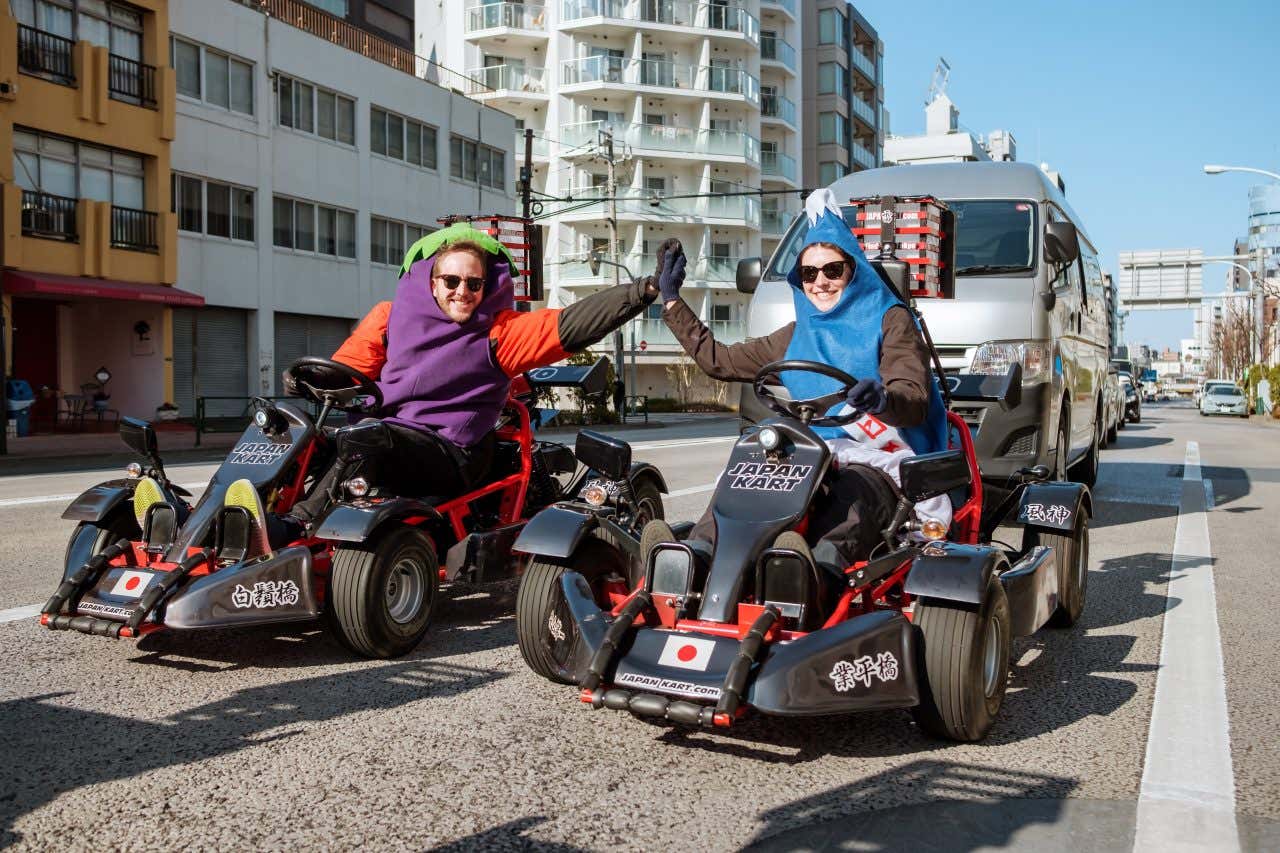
1011, 393
932, 474
748, 275
1061, 243
140, 436
363, 440
895, 274
606, 454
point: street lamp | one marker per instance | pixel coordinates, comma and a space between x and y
1213, 169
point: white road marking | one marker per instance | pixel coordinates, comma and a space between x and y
684, 442
48, 499
15, 614
692, 490
1187, 800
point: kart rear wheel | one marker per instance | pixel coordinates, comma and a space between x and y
965, 661
382, 593
545, 630
1072, 552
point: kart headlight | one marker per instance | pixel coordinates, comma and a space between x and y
133, 470
994, 358
261, 418
769, 438
595, 494
357, 487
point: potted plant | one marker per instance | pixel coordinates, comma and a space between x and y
166, 412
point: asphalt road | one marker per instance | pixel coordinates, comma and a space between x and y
277, 738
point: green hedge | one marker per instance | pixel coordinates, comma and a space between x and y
1256, 374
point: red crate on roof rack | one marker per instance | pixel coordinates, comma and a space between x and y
919, 230
523, 237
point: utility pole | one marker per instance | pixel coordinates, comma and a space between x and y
619, 386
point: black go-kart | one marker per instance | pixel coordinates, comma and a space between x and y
925, 624
370, 567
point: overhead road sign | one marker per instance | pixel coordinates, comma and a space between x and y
1170, 278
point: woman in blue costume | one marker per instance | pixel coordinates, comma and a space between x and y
847, 317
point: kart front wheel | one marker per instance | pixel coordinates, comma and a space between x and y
381, 594
1072, 552
545, 630
965, 664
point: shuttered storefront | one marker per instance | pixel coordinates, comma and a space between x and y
210, 359
298, 335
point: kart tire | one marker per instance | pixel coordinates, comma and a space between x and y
649, 502
964, 664
382, 593
547, 635
119, 524
1072, 552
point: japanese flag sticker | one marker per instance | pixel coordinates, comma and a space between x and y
131, 584
687, 652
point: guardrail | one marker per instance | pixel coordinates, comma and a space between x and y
134, 229
48, 215
637, 404
130, 80
40, 52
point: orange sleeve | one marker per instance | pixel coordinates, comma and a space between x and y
527, 339
366, 349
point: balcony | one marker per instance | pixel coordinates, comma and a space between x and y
665, 141
513, 23
697, 18
664, 76
862, 155
657, 333
507, 83
863, 110
864, 64
774, 223
130, 81
775, 50
787, 7
775, 164
541, 148
45, 54
47, 215
779, 108
642, 205
134, 229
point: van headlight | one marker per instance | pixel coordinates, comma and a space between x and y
994, 358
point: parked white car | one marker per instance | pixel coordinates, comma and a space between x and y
1220, 399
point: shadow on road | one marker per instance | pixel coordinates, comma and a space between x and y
509, 836
953, 807
1137, 492
1137, 442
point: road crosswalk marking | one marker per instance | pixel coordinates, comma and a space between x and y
1187, 799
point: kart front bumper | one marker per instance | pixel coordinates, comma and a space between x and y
865, 663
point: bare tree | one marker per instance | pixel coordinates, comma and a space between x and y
682, 374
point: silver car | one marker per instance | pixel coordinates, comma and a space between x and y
1221, 399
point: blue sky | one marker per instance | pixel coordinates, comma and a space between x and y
1126, 99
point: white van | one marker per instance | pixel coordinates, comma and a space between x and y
1010, 304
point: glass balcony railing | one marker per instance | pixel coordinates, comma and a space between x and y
540, 146
862, 62
664, 138
659, 73
863, 110
656, 332
638, 202
700, 14
778, 106
775, 49
717, 268
862, 155
516, 16
788, 5
512, 78
774, 223
777, 164
731, 81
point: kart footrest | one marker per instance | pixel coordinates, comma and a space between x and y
653, 705
86, 625
735, 680
84, 577
159, 590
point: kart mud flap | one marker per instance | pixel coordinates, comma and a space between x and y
1032, 589
866, 663
1054, 506
953, 572
356, 522
266, 590
96, 503
483, 556
556, 531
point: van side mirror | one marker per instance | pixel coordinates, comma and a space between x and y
932, 474
1061, 243
606, 454
140, 436
749, 272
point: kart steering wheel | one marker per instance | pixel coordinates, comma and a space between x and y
811, 411
322, 380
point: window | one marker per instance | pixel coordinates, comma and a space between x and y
388, 21
833, 79
402, 138
303, 107
832, 129
829, 172
64, 167
213, 208
208, 75
389, 240
333, 7
308, 227
831, 28
470, 161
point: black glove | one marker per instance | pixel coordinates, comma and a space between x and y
671, 275
868, 396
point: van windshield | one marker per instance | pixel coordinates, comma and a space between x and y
991, 237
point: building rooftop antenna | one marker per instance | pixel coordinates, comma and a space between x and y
938, 86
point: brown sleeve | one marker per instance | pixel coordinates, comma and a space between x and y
589, 319
731, 363
904, 370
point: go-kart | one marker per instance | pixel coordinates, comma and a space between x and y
925, 624
370, 567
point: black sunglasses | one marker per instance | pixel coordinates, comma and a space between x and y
833, 271
474, 283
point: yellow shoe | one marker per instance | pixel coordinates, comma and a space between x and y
145, 495
242, 494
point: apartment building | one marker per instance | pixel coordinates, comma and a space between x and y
700, 99
88, 246
843, 104
309, 155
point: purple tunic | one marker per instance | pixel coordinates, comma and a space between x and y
439, 374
